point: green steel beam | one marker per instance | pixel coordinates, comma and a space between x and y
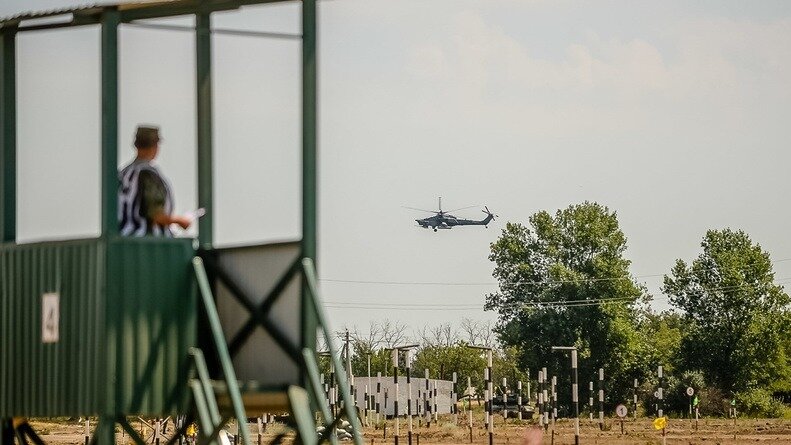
8, 136
105, 431
170, 10
204, 126
154, 10
205, 380
109, 164
309, 173
309, 274
221, 347
309, 161
79, 20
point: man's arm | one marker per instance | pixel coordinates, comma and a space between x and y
163, 219
154, 195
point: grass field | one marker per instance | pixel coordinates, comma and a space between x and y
445, 432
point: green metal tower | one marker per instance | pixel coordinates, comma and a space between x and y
130, 310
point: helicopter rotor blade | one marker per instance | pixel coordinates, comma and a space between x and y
461, 208
419, 210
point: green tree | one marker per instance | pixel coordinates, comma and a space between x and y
733, 313
660, 343
443, 360
564, 280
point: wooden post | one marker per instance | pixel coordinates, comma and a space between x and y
378, 394
601, 399
540, 399
505, 400
396, 413
409, 396
469, 411
491, 393
660, 405
436, 405
454, 403
426, 401
519, 400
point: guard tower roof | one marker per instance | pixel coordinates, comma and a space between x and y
90, 14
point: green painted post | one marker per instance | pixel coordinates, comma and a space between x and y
204, 126
222, 348
309, 164
109, 163
8, 136
105, 430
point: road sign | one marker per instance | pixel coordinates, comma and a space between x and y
656, 394
621, 411
690, 391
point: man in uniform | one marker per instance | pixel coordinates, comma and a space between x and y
145, 200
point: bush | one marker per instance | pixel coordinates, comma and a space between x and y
759, 403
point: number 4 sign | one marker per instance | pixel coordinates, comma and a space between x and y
50, 318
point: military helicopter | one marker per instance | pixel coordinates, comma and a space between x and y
444, 220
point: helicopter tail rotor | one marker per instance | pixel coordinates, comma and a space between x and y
489, 212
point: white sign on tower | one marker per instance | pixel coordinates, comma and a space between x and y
50, 318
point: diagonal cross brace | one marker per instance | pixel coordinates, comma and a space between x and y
258, 314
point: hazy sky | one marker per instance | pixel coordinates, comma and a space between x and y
673, 113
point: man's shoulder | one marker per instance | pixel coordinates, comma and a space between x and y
142, 167
150, 175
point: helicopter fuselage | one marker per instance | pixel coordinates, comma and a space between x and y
445, 221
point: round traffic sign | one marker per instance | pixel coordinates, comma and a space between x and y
621, 410
690, 391
656, 394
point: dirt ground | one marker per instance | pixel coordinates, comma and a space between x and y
640, 432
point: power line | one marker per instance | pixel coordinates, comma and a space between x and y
516, 305
495, 283
476, 305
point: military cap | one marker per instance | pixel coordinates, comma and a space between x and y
146, 136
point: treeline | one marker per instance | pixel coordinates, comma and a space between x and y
564, 280
442, 349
